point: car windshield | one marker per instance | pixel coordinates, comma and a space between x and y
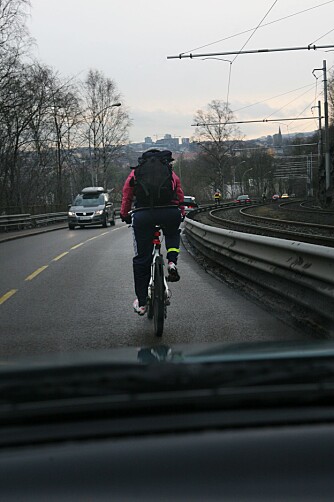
189, 200
239, 274
89, 200
76, 135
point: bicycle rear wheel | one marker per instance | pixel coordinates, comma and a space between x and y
158, 297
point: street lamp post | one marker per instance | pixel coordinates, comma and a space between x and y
264, 179
242, 179
233, 181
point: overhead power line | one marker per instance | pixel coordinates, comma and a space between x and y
274, 97
244, 45
255, 30
255, 51
199, 124
323, 36
262, 26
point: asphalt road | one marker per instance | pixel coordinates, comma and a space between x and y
65, 291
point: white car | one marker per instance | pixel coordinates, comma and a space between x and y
189, 203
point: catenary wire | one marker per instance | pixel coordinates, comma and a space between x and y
255, 29
244, 45
262, 26
323, 36
289, 103
273, 97
316, 96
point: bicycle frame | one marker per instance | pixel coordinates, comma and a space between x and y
156, 252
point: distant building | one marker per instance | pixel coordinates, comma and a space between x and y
277, 138
168, 142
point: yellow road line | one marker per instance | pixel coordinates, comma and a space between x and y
60, 256
12, 292
34, 274
77, 245
7, 296
91, 238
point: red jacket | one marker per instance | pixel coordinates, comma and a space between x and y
128, 193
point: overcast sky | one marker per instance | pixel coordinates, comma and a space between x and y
129, 41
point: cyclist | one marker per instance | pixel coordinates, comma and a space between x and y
217, 196
143, 224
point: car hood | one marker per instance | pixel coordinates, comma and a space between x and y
87, 208
181, 354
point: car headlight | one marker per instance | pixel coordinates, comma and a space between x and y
71, 213
99, 211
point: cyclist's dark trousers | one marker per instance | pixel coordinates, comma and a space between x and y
143, 223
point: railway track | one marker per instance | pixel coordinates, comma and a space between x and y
292, 221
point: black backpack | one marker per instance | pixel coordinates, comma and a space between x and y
153, 179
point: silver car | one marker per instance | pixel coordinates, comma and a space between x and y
91, 207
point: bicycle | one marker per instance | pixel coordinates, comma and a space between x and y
158, 297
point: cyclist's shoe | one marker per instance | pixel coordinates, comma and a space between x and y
139, 310
173, 275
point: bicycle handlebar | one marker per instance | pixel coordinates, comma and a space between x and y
153, 207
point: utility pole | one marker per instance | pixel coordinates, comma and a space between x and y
316, 176
320, 133
325, 191
327, 157
309, 171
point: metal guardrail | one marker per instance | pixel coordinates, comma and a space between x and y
15, 222
301, 272
29, 221
23, 221
48, 219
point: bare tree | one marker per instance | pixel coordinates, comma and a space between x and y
47, 126
195, 177
65, 118
106, 125
37, 123
14, 37
13, 15
19, 104
14, 41
217, 138
259, 167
